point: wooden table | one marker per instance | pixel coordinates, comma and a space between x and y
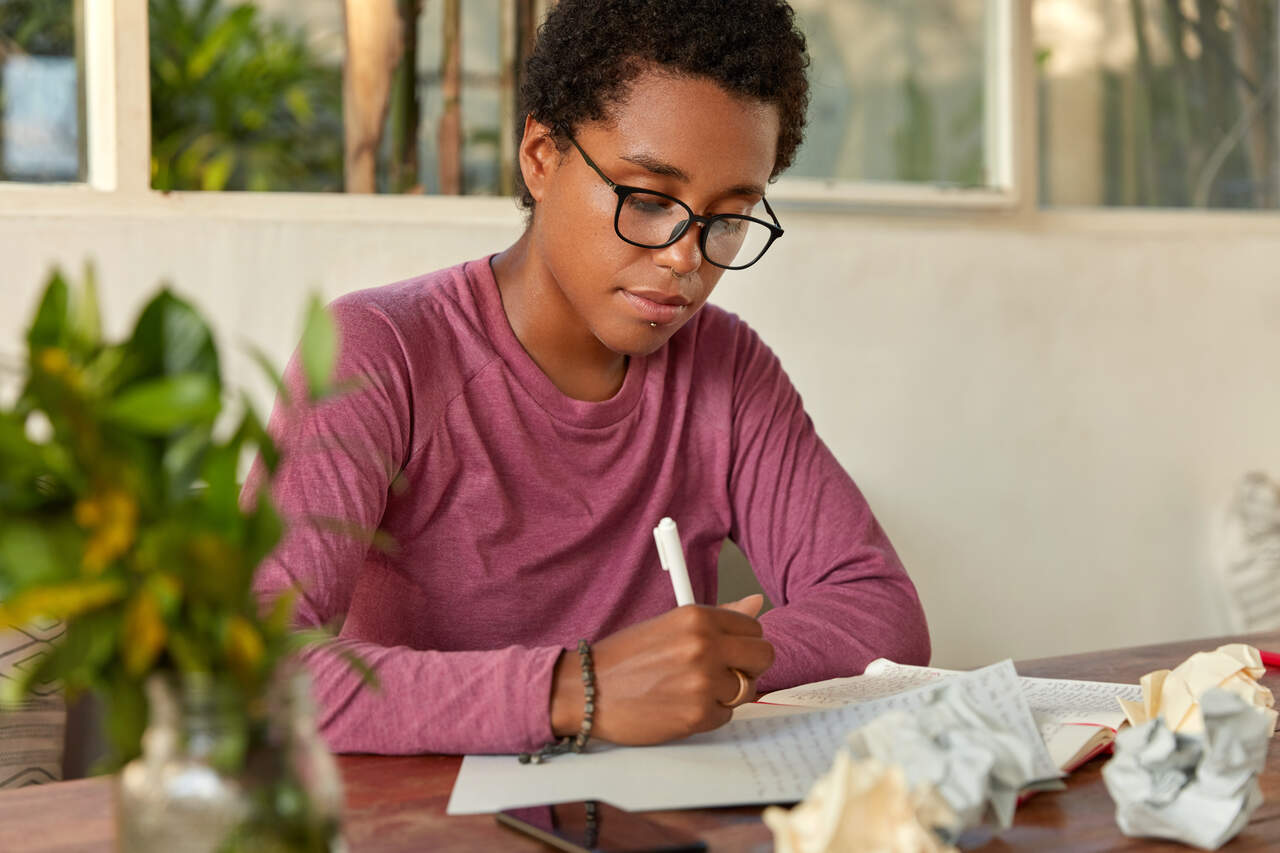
398, 803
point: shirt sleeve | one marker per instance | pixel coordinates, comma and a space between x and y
842, 595
340, 460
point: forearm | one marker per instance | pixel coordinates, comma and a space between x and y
435, 702
837, 629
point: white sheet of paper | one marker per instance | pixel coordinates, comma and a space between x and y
1063, 709
763, 756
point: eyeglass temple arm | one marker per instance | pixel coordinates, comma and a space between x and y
592, 164
772, 215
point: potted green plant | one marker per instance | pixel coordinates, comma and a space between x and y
120, 515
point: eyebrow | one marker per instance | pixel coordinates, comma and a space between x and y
660, 167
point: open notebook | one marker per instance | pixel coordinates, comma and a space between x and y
766, 754
1077, 719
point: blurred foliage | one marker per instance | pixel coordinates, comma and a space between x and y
1187, 119
35, 28
42, 27
120, 512
239, 102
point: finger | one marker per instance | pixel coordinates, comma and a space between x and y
735, 693
730, 621
748, 606
716, 716
752, 655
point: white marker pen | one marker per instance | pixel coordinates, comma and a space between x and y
671, 555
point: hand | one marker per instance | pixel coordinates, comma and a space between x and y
667, 677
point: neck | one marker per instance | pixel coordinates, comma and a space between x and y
549, 328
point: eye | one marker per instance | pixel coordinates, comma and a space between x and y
731, 226
649, 204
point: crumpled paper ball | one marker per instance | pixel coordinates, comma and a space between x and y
862, 806
911, 782
973, 762
1200, 789
1173, 695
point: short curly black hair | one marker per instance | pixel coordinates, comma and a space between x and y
589, 51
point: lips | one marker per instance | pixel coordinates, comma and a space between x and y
653, 306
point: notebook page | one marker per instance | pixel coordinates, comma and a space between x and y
771, 758
1059, 706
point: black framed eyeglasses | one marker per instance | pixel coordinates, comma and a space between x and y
654, 220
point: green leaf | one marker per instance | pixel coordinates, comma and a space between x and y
143, 632
160, 406
281, 613
126, 718
375, 538
263, 531
189, 653
64, 600
49, 328
273, 375
171, 337
295, 97
31, 475
319, 349
215, 44
166, 589
253, 433
215, 569
184, 459
33, 553
84, 316
217, 171
103, 369
221, 498
309, 639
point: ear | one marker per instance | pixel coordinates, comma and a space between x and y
539, 157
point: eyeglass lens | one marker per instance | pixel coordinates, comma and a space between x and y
654, 220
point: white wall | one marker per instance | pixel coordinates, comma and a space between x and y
1047, 411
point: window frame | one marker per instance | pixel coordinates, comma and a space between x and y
1006, 40
118, 151
118, 131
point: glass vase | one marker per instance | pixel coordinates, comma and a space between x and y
218, 776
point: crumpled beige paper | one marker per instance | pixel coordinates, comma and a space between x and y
1200, 789
1174, 696
863, 806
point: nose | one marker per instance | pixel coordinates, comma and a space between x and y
684, 256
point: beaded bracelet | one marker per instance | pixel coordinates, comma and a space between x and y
578, 742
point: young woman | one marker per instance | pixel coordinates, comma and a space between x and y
526, 419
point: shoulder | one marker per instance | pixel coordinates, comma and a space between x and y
720, 337
421, 339
434, 318
404, 306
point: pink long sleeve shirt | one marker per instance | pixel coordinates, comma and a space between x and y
522, 519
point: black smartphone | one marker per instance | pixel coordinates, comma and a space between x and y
593, 826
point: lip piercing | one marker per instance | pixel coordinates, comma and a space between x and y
653, 325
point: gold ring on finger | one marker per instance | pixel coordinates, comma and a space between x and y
744, 690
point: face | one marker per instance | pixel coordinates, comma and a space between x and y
685, 137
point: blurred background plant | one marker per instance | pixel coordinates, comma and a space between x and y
239, 102
37, 26
120, 515
119, 506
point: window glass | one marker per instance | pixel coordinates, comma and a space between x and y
897, 91
243, 99
252, 96
41, 100
1168, 103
